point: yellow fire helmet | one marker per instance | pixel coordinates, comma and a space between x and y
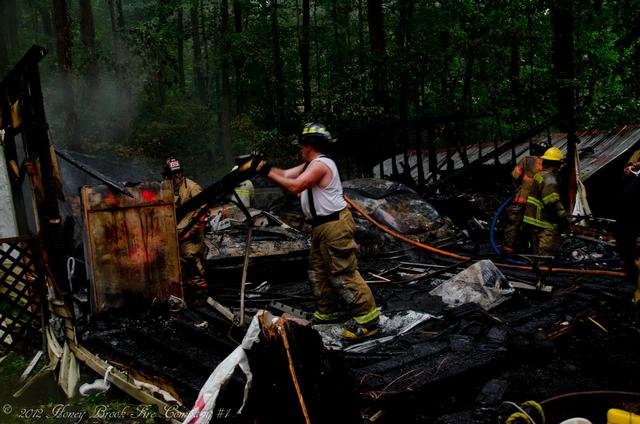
553, 153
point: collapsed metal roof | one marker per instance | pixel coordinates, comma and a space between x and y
596, 148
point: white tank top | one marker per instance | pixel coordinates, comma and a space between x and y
327, 200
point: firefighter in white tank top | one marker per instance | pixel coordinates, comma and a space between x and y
333, 266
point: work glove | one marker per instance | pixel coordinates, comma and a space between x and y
243, 163
260, 164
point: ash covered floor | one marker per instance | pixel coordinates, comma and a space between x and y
457, 367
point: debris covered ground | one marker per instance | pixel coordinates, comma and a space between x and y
457, 365
445, 354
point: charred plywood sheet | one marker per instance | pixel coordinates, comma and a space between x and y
132, 245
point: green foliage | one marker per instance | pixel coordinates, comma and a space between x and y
43, 401
12, 364
462, 56
178, 128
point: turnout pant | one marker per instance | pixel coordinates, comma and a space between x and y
333, 272
514, 215
191, 252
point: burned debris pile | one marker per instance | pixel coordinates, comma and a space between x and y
448, 360
177, 348
575, 335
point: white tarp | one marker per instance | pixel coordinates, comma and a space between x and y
204, 408
581, 206
482, 283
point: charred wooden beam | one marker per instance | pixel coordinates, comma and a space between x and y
186, 382
23, 112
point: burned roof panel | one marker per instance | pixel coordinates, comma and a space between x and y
596, 148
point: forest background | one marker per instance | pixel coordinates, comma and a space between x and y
205, 80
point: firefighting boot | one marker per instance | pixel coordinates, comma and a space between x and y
354, 332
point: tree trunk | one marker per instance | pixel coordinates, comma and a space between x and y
316, 42
465, 104
562, 21
433, 154
239, 59
360, 37
4, 54
11, 21
47, 27
277, 65
304, 57
88, 38
380, 93
164, 56
207, 77
198, 80
119, 51
180, 47
378, 50
514, 69
63, 48
225, 119
404, 42
338, 43
417, 101
119, 46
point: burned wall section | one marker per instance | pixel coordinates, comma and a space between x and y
28, 152
132, 246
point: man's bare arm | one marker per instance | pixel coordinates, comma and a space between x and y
289, 173
296, 181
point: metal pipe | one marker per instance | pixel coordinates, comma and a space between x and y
247, 253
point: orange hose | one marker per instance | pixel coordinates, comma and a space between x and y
464, 258
292, 370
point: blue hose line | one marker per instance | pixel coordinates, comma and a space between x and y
497, 215
495, 248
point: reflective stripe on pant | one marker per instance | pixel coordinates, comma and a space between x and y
333, 271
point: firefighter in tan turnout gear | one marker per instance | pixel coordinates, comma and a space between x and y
522, 176
545, 214
192, 242
333, 266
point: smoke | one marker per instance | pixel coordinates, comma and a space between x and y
105, 115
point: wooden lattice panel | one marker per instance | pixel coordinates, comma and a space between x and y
19, 305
